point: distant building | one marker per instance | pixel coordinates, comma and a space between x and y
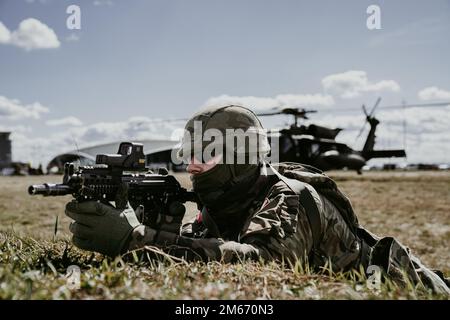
86, 156
5, 150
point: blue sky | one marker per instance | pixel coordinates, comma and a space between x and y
166, 59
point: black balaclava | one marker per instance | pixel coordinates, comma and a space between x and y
228, 191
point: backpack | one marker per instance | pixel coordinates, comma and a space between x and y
387, 252
323, 185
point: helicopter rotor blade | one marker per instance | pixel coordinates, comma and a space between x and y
418, 105
363, 126
375, 106
269, 114
296, 112
368, 116
361, 131
365, 110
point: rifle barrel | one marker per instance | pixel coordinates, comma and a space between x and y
50, 189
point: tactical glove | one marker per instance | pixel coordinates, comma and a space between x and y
100, 227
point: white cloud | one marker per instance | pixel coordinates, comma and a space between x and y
13, 109
138, 128
5, 34
18, 128
67, 121
279, 101
433, 93
352, 83
31, 34
27, 146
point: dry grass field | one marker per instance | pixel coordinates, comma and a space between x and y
412, 206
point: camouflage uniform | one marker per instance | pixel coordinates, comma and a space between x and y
277, 227
252, 210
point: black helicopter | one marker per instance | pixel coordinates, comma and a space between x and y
316, 145
313, 144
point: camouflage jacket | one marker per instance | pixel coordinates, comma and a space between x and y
277, 228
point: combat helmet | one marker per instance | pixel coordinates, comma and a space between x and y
233, 130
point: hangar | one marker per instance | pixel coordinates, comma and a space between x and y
158, 154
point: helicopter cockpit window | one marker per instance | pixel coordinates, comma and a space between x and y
315, 148
286, 145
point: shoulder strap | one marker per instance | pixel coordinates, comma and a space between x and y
307, 200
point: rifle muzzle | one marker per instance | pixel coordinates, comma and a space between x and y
50, 189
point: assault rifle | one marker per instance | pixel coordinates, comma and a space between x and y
159, 193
